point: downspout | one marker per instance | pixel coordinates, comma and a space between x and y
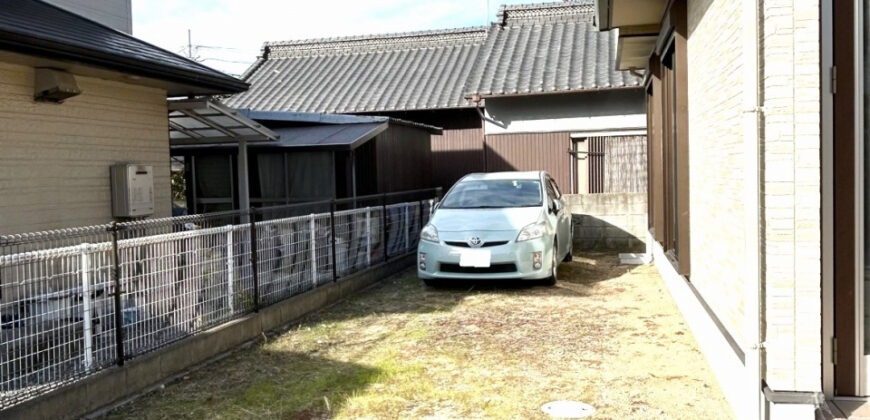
476, 99
752, 223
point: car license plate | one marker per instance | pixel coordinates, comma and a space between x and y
475, 258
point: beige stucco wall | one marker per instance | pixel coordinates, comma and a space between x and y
715, 89
54, 165
792, 200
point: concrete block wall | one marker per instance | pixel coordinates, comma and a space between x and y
716, 188
609, 222
54, 168
791, 199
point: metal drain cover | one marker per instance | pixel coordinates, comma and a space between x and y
568, 409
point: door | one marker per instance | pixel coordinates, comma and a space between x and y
563, 217
850, 214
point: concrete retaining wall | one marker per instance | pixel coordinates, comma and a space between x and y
114, 385
609, 222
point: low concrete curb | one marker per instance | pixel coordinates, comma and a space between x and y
115, 384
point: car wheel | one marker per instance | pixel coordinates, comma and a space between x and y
554, 270
570, 255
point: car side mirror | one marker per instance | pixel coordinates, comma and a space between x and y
557, 207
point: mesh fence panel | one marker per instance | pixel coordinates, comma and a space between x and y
177, 277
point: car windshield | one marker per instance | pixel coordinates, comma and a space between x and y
493, 193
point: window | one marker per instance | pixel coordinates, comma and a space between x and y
667, 111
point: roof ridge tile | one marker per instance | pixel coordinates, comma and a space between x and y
375, 42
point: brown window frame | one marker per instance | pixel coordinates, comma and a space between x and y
669, 139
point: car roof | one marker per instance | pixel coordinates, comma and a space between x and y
536, 175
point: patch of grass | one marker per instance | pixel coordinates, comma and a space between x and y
607, 334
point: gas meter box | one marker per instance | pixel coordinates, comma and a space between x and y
132, 190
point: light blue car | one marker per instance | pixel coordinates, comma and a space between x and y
502, 225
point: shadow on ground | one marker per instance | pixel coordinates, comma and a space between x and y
261, 383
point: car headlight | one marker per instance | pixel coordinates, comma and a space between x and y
429, 233
532, 231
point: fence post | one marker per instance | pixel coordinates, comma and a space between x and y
332, 233
230, 273
87, 324
255, 258
420, 219
312, 228
368, 236
384, 227
119, 318
407, 228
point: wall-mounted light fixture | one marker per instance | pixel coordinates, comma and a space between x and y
53, 85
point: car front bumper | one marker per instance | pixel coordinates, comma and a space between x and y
442, 261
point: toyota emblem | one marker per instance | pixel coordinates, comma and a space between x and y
474, 242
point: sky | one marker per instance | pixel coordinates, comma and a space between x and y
228, 34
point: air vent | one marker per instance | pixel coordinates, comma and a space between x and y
52, 85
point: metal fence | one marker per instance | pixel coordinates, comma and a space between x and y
75, 301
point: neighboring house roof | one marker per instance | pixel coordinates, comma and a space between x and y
33, 27
394, 72
319, 118
547, 48
314, 130
532, 49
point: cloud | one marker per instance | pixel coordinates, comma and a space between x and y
228, 34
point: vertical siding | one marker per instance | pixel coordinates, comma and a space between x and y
54, 165
458, 150
404, 157
531, 152
455, 153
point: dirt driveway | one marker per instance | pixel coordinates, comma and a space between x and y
607, 335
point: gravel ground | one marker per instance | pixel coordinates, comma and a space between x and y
606, 334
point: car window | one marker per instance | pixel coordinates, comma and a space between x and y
556, 188
551, 193
493, 193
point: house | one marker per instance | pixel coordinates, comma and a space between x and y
116, 14
523, 93
77, 97
316, 157
757, 198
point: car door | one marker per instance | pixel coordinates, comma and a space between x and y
563, 216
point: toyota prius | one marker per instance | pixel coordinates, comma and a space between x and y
503, 225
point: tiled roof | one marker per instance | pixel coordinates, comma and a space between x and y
37, 28
554, 47
405, 71
541, 48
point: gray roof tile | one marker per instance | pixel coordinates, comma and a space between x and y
545, 48
405, 71
542, 48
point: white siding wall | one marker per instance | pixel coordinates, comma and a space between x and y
716, 157
116, 14
792, 199
589, 111
54, 165
790, 204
